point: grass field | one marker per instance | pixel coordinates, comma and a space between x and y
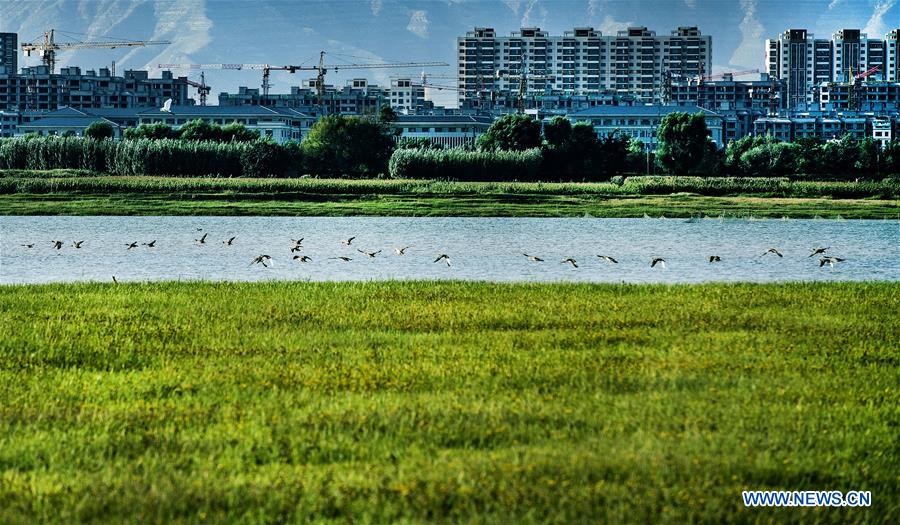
457, 402
82, 193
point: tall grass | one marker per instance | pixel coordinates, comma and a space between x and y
464, 165
49, 182
145, 157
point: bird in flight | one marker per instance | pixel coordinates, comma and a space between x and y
533, 258
772, 250
345, 259
302, 258
77, 244
229, 242
29, 246
658, 260
370, 254
829, 261
132, 245
57, 245
608, 259
114, 279
151, 244
443, 257
401, 251
264, 260
298, 244
817, 251
715, 258
348, 242
201, 240
571, 261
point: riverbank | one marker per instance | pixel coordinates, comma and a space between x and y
73, 193
428, 401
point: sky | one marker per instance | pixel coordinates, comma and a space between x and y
293, 32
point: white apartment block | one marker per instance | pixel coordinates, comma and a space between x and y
579, 62
804, 62
892, 56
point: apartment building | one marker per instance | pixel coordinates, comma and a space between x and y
37, 89
892, 56
9, 52
357, 97
578, 62
805, 62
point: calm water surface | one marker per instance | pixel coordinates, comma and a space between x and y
480, 249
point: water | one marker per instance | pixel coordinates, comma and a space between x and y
480, 249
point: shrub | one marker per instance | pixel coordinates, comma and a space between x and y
99, 130
264, 158
458, 164
339, 145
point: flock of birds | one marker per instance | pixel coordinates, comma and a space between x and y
266, 260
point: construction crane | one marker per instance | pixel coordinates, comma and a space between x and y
723, 74
203, 89
321, 69
48, 46
856, 86
523, 78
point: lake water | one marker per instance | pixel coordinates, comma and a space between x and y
479, 249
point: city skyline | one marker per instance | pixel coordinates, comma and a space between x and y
386, 30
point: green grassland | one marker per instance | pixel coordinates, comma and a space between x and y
445, 402
68, 192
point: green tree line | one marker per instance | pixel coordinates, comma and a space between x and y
515, 147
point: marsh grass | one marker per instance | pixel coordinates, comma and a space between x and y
445, 402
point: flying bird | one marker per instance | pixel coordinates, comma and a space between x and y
167, 106
57, 244
772, 250
715, 258
201, 240
77, 244
114, 279
302, 258
571, 261
348, 242
829, 261
28, 245
817, 251
401, 251
443, 257
608, 259
131, 245
658, 260
264, 260
151, 244
370, 254
345, 259
533, 258
298, 243
229, 242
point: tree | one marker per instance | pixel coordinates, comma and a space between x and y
236, 132
386, 114
151, 131
557, 132
340, 145
200, 130
99, 130
511, 132
682, 142
771, 159
868, 158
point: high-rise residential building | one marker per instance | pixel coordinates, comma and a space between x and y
9, 52
802, 61
854, 53
892, 56
579, 62
805, 62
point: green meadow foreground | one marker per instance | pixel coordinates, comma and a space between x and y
439, 401
72, 192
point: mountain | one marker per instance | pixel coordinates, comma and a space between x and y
293, 32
